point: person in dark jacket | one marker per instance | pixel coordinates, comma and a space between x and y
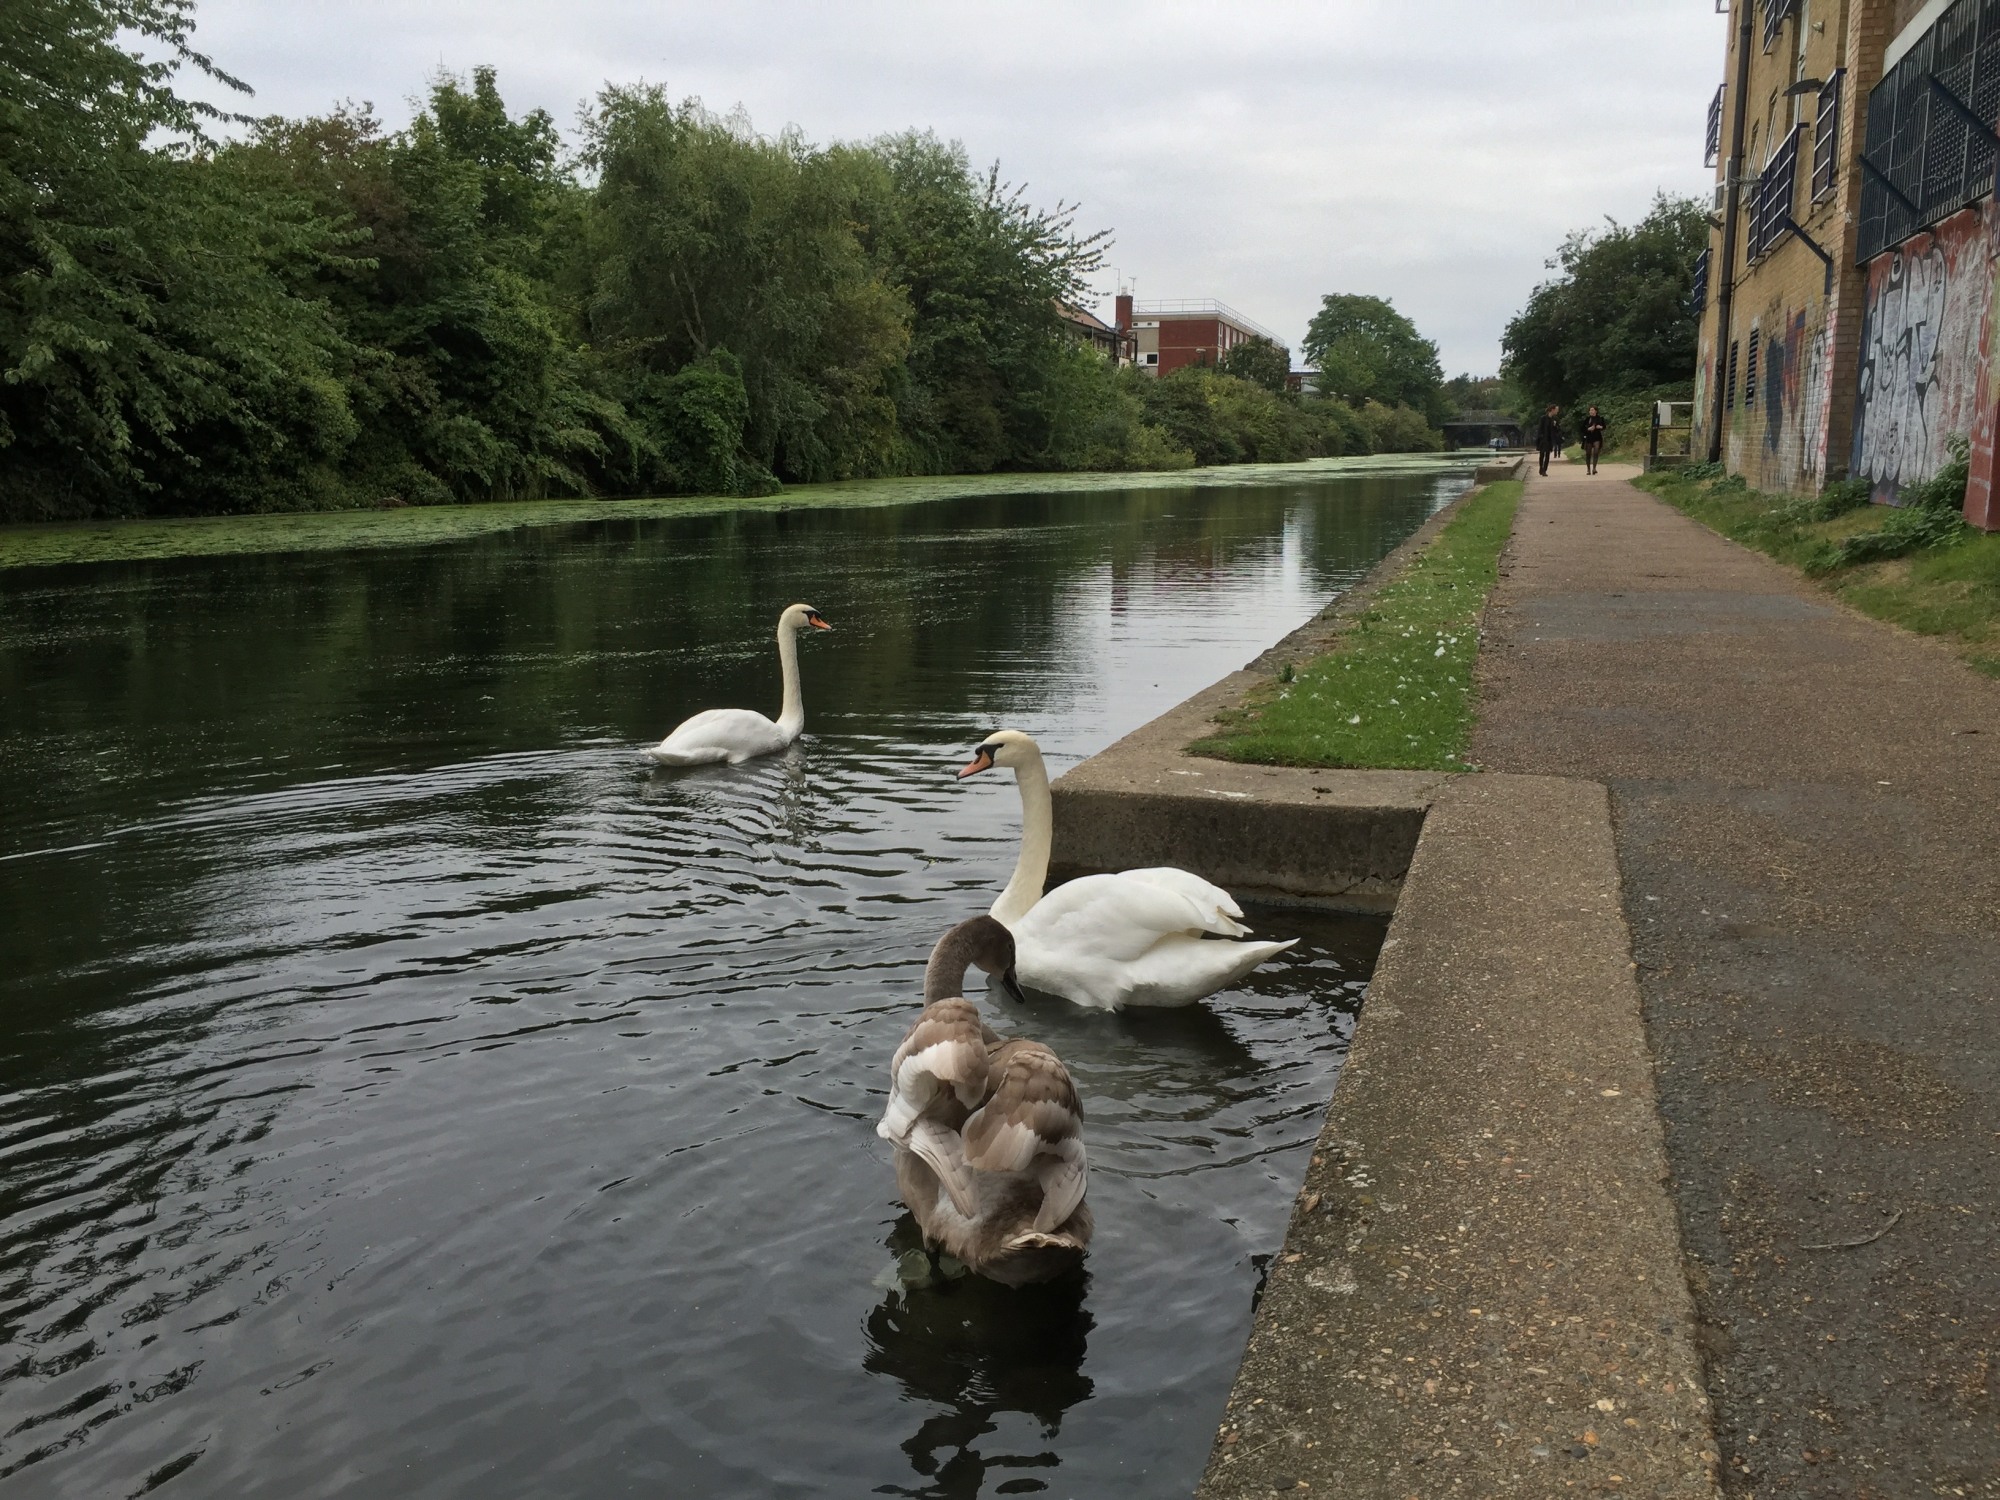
1592, 432
1548, 435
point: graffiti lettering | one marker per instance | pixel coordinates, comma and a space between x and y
1895, 441
1816, 382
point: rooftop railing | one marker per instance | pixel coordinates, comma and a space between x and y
1195, 307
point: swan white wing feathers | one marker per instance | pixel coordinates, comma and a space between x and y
1142, 937
942, 1059
1220, 913
719, 734
943, 1151
1119, 917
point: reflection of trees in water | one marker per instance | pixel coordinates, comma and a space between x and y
979, 1350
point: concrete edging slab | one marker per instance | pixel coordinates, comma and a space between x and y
1481, 1290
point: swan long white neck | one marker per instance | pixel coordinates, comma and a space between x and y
1031, 870
792, 715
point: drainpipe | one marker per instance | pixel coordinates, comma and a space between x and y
1732, 177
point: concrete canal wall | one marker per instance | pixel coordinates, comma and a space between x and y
1481, 1289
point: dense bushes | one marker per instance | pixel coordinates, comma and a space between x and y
324, 313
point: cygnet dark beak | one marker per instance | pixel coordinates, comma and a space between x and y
1012, 986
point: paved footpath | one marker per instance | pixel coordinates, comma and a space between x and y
1807, 815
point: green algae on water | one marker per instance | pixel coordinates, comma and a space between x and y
54, 544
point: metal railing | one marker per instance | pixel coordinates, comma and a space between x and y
1776, 13
1772, 196
1826, 137
1711, 151
1930, 147
1700, 294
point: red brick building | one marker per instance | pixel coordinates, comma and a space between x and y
1169, 336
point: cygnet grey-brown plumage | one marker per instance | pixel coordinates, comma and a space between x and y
988, 1130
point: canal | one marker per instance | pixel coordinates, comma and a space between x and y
407, 1091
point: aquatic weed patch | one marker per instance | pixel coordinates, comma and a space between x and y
1396, 692
50, 545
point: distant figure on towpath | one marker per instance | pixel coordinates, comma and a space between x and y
1593, 438
1548, 435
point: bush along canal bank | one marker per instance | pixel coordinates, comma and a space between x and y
1917, 565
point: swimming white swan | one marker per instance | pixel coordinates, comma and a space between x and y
739, 734
1142, 937
988, 1131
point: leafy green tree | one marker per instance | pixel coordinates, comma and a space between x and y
149, 339
1260, 362
705, 236
983, 271
325, 313
1365, 350
1619, 316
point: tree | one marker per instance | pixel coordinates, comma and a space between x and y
1620, 316
1367, 351
1260, 362
149, 337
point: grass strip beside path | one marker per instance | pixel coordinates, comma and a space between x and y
1952, 592
1396, 692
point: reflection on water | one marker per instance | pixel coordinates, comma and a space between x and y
404, 1090
975, 1357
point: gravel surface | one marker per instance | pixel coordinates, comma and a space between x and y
1807, 812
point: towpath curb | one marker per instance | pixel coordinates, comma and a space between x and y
1481, 1290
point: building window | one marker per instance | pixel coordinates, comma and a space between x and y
1826, 138
1750, 371
1776, 13
1152, 359
1731, 399
1700, 297
1711, 151
1772, 196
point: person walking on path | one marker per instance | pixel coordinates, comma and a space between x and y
1548, 436
1593, 438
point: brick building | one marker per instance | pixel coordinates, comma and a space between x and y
1169, 336
1848, 292
1115, 344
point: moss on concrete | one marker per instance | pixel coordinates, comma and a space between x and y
1395, 693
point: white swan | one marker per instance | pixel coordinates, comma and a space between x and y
1143, 937
739, 734
988, 1131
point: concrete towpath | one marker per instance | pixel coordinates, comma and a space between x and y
1806, 807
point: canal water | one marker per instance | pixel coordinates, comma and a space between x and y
407, 1091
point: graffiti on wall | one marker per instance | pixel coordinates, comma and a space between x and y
1795, 390
1922, 357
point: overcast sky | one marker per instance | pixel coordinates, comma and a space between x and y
1263, 152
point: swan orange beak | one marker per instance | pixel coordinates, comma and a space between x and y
982, 760
814, 619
